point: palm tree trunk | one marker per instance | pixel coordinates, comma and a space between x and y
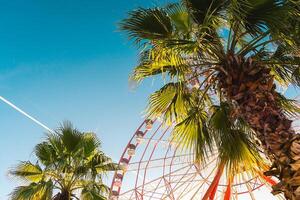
64, 195
251, 89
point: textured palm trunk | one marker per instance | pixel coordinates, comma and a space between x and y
65, 195
251, 89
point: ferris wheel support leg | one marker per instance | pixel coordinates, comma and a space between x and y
210, 193
228, 190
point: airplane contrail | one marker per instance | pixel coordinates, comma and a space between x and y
25, 114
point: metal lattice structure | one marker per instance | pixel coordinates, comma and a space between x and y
153, 168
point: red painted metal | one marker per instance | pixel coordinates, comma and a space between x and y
176, 177
210, 193
152, 155
228, 190
269, 180
122, 157
136, 182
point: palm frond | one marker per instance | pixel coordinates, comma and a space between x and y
94, 191
284, 65
235, 142
160, 61
290, 106
45, 153
70, 137
106, 167
192, 134
258, 16
180, 18
296, 75
147, 24
202, 9
172, 103
28, 171
89, 144
34, 191
91, 195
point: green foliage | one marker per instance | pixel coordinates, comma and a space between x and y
170, 102
28, 172
147, 24
34, 191
68, 160
160, 60
192, 133
285, 66
290, 106
201, 10
180, 18
91, 192
235, 141
192, 40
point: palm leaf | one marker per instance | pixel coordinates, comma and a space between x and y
284, 65
70, 137
89, 145
34, 191
192, 134
28, 171
171, 103
201, 9
180, 18
290, 106
148, 24
235, 142
257, 15
160, 61
45, 153
94, 191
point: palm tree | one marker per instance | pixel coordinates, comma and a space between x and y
236, 53
69, 165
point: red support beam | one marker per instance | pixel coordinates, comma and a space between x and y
210, 193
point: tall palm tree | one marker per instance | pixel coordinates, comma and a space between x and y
69, 165
225, 52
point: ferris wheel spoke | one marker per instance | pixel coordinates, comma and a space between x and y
169, 189
181, 177
158, 163
162, 186
154, 148
156, 188
248, 187
156, 179
144, 152
159, 159
205, 179
174, 181
185, 176
158, 169
187, 186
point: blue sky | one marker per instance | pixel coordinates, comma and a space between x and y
65, 60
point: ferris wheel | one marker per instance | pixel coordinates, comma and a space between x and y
154, 168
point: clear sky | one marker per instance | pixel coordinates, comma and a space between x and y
64, 60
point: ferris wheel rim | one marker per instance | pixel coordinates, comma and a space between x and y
136, 186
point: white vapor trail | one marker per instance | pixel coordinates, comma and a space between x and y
25, 114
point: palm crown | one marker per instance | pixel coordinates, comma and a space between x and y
68, 163
220, 61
